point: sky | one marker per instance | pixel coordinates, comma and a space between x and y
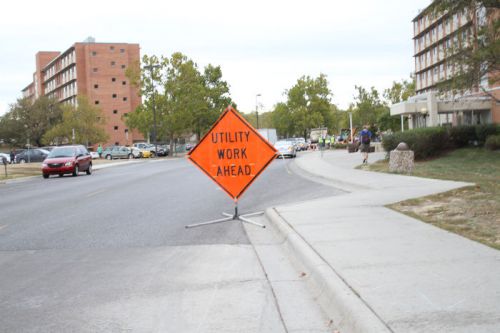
262, 46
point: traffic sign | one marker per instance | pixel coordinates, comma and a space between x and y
232, 153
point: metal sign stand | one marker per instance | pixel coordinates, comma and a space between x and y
231, 217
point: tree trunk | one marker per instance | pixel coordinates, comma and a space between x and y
172, 146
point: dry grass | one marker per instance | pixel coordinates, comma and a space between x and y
34, 169
473, 212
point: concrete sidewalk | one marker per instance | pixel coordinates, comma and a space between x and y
375, 270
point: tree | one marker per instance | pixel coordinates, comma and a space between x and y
217, 98
27, 120
478, 54
367, 106
400, 91
84, 122
282, 120
185, 100
308, 106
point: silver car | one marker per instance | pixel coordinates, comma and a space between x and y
285, 149
114, 152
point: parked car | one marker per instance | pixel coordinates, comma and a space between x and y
285, 148
299, 143
114, 152
163, 150
67, 160
49, 148
31, 155
143, 146
7, 157
143, 152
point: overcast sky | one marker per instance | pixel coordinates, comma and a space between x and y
263, 47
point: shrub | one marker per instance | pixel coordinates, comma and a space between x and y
389, 142
493, 142
484, 131
461, 136
425, 142
339, 146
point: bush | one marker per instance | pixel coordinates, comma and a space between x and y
425, 142
484, 131
389, 142
461, 136
339, 146
433, 141
493, 142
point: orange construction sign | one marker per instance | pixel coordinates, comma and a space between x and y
232, 153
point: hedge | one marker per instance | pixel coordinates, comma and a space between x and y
493, 142
433, 141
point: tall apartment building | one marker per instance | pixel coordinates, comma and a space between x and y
94, 70
433, 37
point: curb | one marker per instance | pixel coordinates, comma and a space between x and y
337, 299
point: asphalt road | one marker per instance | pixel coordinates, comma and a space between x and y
110, 252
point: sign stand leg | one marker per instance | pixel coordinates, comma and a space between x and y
231, 217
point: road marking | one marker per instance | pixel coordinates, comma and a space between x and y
94, 193
286, 164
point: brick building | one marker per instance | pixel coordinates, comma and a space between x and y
433, 37
94, 70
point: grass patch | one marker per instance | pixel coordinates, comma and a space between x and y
473, 212
15, 171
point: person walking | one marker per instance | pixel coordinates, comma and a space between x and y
99, 150
365, 137
12, 156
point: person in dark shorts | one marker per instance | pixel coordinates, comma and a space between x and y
365, 137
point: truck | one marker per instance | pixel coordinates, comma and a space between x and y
317, 133
269, 134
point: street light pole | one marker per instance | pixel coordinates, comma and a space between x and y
150, 68
350, 124
257, 109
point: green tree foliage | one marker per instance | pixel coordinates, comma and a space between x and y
265, 119
367, 107
282, 120
477, 54
84, 120
400, 91
186, 101
29, 120
308, 106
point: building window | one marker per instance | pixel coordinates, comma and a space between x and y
112, 48
94, 53
96, 86
125, 115
124, 83
113, 63
95, 70
114, 95
124, 99
123, 66
96, 102
122, 50
115, 111
113, 79
117, 143
116, 128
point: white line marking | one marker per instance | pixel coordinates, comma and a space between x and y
95, 193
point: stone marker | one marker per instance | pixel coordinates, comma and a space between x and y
401, 159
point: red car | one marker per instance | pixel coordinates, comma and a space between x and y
67, 160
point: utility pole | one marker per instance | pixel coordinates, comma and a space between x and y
257, 109
153, 106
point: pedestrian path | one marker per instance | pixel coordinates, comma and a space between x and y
375, 270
